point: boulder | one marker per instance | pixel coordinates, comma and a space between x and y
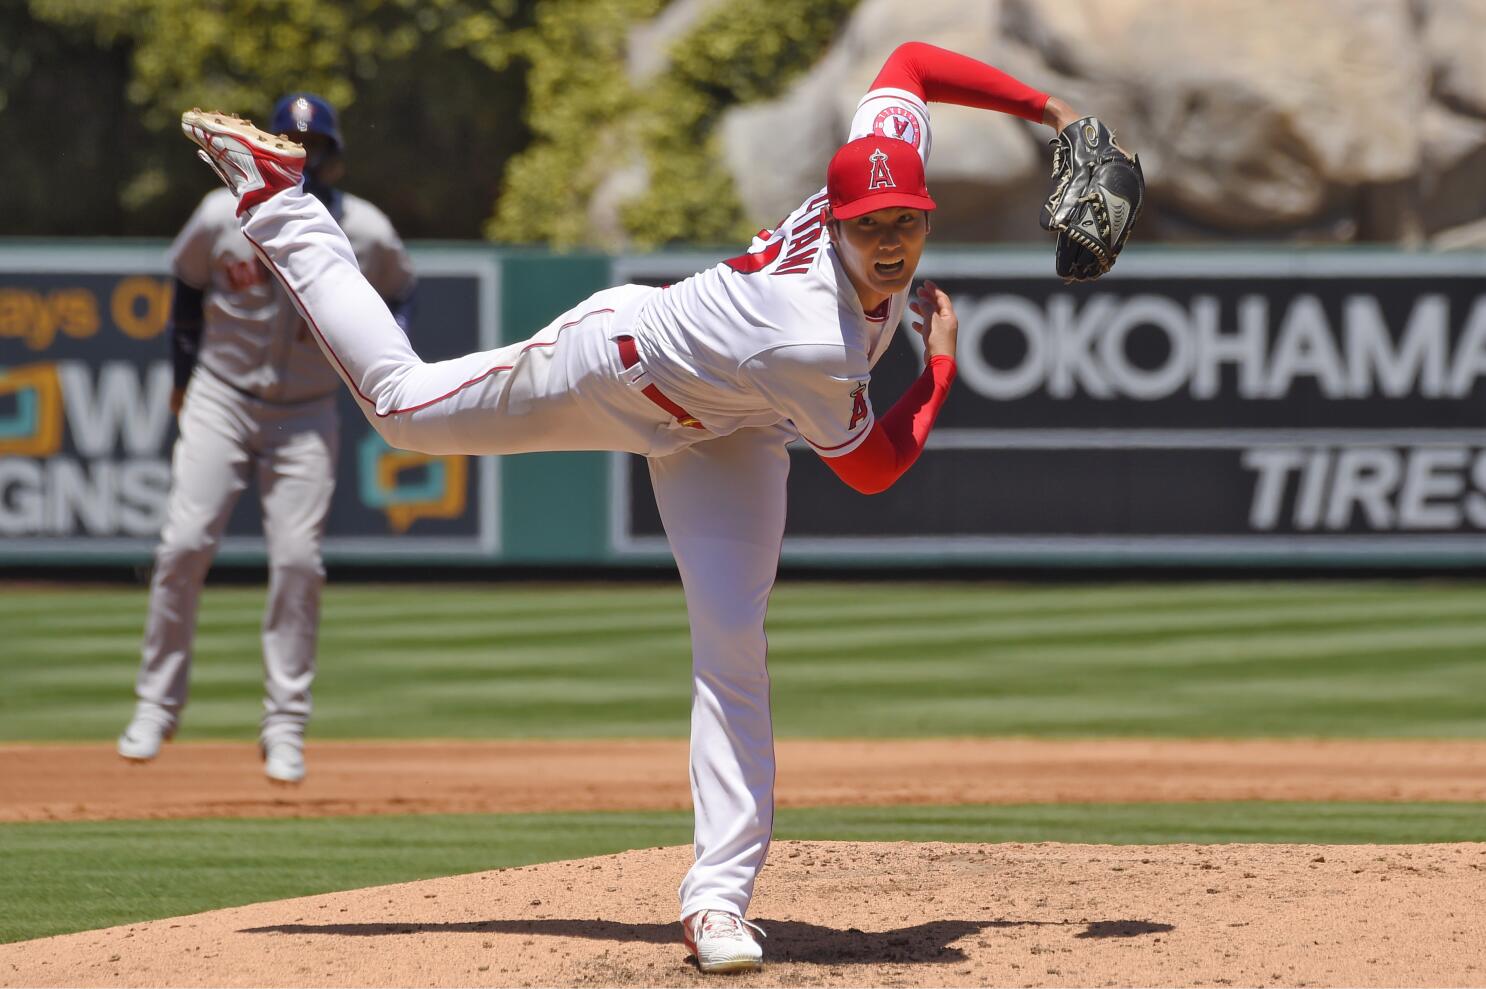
1454, 41
981, 165
1352, 119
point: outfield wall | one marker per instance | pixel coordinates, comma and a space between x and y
1202, 408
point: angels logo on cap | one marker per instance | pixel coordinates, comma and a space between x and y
873, 173
880, 176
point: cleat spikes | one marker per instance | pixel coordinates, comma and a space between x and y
254, 164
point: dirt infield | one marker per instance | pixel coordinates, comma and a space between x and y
844, 914
837, 913
77, 782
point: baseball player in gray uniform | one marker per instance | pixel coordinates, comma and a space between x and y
255, 399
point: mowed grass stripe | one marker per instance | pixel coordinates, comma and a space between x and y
1407, 659
821, 664
1003, 599
513, 601
114, 622
1088, 595
238, 605
800, 627
1144, 624
1025, 672
101, 874
1060, 599
1239, 648
383, 601
479, 658
533, 690
1184, 654
511, 629
477, 613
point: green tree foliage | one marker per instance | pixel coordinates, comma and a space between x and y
429, 93
586, 113
747, 50
453, 110
63, 122
579, 105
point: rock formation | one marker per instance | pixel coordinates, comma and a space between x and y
1302, 120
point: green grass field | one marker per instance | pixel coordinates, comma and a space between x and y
57, 878
1374, 659
1405, 659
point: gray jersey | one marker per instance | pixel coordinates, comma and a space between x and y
252, 338
261, 407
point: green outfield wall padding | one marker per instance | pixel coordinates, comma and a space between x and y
553, 505
1239, 409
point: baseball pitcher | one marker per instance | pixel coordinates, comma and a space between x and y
709, 379
255, 400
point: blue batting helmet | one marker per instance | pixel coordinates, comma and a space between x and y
306, 113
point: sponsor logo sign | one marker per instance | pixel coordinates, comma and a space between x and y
1284, 407
86, 432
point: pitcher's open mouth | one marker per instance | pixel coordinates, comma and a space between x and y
896, 268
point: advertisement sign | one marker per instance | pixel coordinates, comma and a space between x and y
1189, 407
86, 431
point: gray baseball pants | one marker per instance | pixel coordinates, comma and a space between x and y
226, 437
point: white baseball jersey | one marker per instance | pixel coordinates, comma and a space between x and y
758, 348
252, 337
779, 333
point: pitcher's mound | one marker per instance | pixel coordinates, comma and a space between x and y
849, 914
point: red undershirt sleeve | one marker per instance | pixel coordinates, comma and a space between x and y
942, 76
897, 438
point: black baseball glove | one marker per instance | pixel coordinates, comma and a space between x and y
1097, 193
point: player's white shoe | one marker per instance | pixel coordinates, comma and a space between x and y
722, 941
283, 761
254, 163
141, 741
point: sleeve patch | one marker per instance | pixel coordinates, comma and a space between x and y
898, 122
859, 408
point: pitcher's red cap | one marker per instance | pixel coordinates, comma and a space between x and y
874, 173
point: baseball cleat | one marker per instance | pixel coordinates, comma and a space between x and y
141, 741
253, 163
283, 762
722, 941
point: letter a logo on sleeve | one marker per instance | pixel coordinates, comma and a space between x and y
880, 178
897, 122
858, 405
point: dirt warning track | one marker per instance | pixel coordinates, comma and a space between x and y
90, 782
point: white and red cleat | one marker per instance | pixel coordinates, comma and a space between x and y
255, 164
722, 941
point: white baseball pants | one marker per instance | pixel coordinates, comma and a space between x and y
722, 499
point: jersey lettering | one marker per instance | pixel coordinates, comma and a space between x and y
804, 243
858, 406
747, 264
799, 245
244, 274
